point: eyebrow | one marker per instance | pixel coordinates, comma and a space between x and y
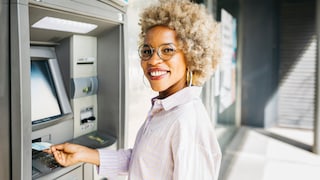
160, 44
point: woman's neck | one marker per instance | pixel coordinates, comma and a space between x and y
171, 90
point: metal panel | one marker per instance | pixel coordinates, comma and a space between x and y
20, 91
110, 75
94, 9
4, 92
298, 52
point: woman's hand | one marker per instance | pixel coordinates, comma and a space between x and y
69, 154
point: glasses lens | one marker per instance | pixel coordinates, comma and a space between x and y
166, 51
145, 52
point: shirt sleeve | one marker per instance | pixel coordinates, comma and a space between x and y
113, 162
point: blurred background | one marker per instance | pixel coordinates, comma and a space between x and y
263, 98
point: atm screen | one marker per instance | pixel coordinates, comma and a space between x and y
44, 101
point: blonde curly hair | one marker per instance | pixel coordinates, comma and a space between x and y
198, 33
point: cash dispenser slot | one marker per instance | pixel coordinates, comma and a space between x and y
87, 115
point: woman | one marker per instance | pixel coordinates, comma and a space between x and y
179, 50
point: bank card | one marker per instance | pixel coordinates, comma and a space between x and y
40, 146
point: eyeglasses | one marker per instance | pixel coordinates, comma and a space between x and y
165, 51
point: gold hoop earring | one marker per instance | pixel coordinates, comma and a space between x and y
189, 77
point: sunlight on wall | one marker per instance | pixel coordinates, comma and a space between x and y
140, 92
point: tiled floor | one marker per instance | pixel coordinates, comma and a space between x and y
254, 156
304, 136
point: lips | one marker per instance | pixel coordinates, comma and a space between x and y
156, 74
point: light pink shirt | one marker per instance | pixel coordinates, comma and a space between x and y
177, 141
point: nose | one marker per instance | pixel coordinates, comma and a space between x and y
155, 58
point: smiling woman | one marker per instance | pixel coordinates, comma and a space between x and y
197, 34
168, 75
177, 140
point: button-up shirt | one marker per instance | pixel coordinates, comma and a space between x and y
177, 141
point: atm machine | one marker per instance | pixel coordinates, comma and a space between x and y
71, 58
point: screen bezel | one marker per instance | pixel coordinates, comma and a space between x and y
48, 54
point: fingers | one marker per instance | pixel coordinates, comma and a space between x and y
57, 151
58, 156
48, 151
52, 148
65, 154
59, 147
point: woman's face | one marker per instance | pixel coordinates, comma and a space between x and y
165, 76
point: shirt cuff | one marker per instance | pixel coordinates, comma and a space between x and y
113, 162
108, 163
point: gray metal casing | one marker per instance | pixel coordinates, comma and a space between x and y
81, 87
112, 95
5, 135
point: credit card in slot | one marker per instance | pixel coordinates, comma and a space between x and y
40, 146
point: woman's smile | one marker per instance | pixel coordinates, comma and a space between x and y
157, 73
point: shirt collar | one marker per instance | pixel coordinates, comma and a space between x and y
181, 97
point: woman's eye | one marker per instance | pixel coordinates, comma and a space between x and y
147, 51
167, 50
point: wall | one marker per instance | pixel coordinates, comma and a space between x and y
139, 93
259, 64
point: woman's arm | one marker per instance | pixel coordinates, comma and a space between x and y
110, 163
69, 154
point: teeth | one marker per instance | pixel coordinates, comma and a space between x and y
157, 73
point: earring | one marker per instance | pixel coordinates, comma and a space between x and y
189, 77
